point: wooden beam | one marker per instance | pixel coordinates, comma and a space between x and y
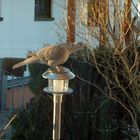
71, 19
127, 21
103, 20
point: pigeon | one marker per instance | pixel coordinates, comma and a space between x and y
52, 55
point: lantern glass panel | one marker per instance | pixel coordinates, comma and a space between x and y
50, 84
66, 85
58, 85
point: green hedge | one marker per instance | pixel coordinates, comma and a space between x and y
87, 114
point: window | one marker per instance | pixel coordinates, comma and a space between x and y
43, 10
1, 18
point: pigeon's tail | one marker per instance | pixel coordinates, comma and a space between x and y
27, 61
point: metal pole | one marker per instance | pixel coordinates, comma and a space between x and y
57, 100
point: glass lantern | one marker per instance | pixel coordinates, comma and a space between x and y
58, 80
58, 85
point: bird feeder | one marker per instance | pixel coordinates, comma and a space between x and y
58, 85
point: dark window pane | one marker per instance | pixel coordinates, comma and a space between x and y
42, 9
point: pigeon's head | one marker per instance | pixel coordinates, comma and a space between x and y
80, 44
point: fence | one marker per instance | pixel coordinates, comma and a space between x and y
14, 93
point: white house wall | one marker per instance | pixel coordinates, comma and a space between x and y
20, 33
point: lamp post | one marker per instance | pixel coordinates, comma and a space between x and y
58, 81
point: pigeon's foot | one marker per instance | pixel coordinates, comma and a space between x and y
58, 68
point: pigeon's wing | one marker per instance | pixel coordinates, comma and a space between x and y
53, 55
45, 53
27, 61
58, 56
58, 52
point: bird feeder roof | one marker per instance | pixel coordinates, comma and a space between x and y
58, 73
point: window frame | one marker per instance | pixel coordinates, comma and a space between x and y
48, 16
1, 18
